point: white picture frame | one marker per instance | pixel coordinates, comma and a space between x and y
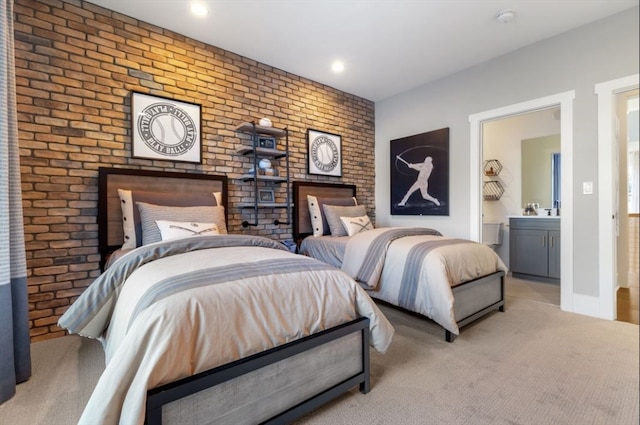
324, 153
165, 129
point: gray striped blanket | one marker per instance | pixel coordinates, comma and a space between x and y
89, 315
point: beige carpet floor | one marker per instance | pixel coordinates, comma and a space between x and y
532, 364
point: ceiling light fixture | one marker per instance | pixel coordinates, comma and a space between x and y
199, 9
505, 16
337, 67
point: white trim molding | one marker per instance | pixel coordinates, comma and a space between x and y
606, 92
565, 101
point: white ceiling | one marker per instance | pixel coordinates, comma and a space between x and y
388, 46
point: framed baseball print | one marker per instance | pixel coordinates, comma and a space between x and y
165, 129
325, 153
420, 174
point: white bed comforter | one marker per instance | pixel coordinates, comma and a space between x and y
200, 304
417, 272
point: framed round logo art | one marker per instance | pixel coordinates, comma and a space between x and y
165, 129
325, 153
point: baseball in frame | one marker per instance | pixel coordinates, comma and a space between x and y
324, 151
165, 129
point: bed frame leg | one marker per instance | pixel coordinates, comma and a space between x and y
449, 336
365, 385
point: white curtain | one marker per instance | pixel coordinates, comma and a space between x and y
15, 355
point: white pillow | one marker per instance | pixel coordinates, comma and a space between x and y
150, 213
318, 218
355, 225
334, 212
128, 226
185, 229
131, 225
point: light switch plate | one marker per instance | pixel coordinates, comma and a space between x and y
587, 188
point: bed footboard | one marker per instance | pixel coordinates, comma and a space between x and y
275, 387
477, 298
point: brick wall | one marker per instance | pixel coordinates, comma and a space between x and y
76, 66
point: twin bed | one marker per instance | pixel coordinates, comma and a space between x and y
202, 326
451, 281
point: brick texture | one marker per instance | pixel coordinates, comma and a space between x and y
76, 67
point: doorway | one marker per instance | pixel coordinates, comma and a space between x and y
608, 202
628, 207
527, 146
565, 102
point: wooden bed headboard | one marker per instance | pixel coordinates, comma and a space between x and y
301, 219
110, 232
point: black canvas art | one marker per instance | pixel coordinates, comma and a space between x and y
420, 174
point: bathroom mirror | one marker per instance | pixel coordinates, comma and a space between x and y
540, 158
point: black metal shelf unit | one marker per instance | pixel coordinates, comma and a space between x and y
260, 136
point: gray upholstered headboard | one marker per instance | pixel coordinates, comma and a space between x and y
301, 219
110, 232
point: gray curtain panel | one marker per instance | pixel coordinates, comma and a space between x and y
15, 354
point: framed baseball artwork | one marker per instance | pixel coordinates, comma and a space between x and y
324, 153
420, 174
165, 129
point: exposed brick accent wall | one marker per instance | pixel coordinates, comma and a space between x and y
76, 67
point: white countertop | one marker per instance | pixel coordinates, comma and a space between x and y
537, 217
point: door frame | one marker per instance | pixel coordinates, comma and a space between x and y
565, 101
607, 130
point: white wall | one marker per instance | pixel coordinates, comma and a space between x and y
501, 139
574, 61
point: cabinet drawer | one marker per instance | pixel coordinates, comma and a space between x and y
535, 223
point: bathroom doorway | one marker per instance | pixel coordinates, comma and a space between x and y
563, 101
527, 147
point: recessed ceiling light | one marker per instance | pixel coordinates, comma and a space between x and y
337, 67
199, 9
505, 16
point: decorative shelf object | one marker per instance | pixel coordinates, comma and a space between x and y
272, 179
491, 167
262, 204
492, 190
248, 127
263, 152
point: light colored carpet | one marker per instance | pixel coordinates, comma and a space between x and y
532, 364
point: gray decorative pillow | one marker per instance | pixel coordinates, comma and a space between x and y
318, 219
334, 212
131, 222
149, 213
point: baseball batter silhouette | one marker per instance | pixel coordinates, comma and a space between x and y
422, 182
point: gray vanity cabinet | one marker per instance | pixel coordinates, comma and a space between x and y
534, 248
554, 253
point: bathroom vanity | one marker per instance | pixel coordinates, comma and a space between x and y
534, 247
